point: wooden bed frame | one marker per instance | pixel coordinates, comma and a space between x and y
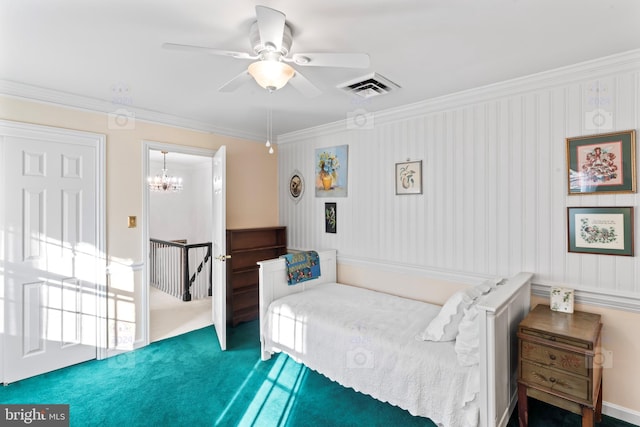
500, 312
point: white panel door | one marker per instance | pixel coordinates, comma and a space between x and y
50, 255
219, 299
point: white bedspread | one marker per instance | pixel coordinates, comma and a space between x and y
366, 340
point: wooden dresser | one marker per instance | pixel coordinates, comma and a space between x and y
560, 362
247, 246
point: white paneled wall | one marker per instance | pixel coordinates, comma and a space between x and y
494, 179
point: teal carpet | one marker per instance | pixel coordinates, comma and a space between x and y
188, 381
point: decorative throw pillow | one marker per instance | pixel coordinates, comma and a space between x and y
484, 288
444, 327
489, 285
474, 292
468, 340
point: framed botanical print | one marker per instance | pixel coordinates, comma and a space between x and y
604, 163
605, 231
409, 177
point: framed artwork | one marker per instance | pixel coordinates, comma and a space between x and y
605, 231
409, 177
604, 163
296, 186
332, 171
330, 217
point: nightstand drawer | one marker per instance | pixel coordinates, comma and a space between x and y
555, 338
554, 357
553, 380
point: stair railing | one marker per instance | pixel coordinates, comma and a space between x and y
180, 269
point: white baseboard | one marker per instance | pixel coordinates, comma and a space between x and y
621, 413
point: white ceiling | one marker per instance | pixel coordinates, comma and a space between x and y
107, 54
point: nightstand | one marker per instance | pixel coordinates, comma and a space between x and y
559, 362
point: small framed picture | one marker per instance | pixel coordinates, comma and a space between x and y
561, 299
604, 163
409, 177
296, 186
330, 218
605, 231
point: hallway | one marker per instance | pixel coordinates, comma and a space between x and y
171, 317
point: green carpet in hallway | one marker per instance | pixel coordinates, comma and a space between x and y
188, 381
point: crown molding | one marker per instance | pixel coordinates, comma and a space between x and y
584, 71
84, 103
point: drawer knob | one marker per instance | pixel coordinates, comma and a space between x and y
551, 379
552, 356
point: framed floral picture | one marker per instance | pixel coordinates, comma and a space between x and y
604, 163
606, 231
332, 171
409, 177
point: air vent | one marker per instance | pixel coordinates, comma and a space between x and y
369, 86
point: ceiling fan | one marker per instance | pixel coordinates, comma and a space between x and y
271, 40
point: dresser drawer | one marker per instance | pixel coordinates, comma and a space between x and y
553, 380
554, 357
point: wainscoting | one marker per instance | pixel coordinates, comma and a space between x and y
495, 180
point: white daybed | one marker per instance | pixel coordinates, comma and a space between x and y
373, 343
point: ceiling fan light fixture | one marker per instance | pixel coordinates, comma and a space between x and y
271, 75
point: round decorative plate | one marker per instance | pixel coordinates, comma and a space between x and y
296, 186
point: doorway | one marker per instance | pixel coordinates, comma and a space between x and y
183, 218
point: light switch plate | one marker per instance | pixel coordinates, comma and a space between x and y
131, 222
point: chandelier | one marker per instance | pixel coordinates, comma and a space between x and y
163, 181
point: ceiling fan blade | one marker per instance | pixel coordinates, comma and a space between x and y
236, 82
271, 26
188, 47
302, 84
344, 60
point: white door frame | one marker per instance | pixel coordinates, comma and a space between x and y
98, 141
146, 147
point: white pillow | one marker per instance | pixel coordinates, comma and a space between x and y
468, 340
474, 292
489, 285
444, 327
484, 288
